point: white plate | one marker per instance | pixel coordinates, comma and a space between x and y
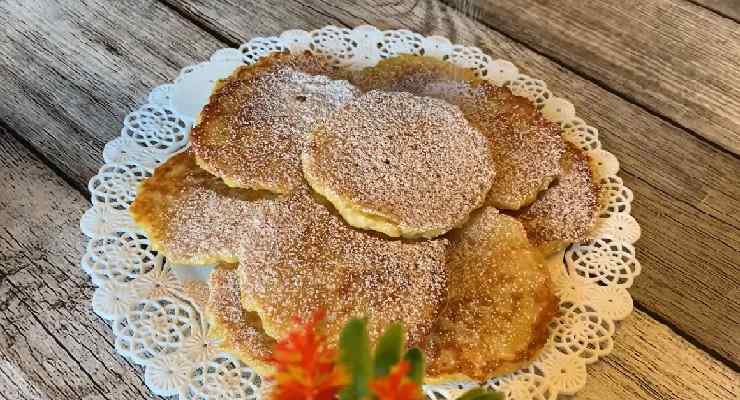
159, 326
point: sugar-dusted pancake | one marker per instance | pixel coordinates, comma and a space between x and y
252, 130
295, 255
567, 211
315, 261
526, 148
191, 216
404, 165
422, 76
240, 331
500, 302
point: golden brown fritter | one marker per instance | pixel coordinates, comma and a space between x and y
500, 302
253, 128
526, 148
421, 76
191, 216
400, 164
566, 212
240, 331
313, 260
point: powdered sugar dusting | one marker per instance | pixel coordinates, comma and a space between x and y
499, 304
414, 160
245, 335
526, 148
317, 261
295, 255
253, 130
567, 210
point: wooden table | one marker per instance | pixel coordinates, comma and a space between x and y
660, 79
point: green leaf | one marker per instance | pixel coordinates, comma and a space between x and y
388, 350
480, 394
354, 355
416, 358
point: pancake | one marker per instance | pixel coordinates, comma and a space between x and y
403, 165
567, 211
253, 128
295, 255
313, 260
421, 76
526, 148
500, 302
240, 331
191, 216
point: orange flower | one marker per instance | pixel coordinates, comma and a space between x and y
396, 385
306, 367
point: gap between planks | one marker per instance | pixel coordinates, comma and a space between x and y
83, 190
622, 95
729, 9
633, 49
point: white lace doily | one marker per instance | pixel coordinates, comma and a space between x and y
158, 326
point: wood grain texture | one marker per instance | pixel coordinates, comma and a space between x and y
52, 346
727, 8
657, 365
673, 57
72, 70
686, 190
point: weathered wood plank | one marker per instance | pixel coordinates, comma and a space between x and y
728, 8
52, 346
657, 365
664, 164
673, 57
72, 70
687, 191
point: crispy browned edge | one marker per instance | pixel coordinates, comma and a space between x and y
200, 134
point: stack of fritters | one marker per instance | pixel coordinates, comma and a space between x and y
373, 194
